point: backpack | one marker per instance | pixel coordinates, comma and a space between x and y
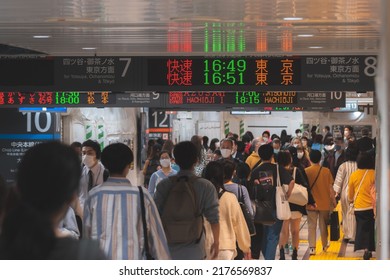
152, 167
181, 216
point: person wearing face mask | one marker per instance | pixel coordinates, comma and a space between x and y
298, 133
165, 171
302, 158
226, 148
93, 170
266, 137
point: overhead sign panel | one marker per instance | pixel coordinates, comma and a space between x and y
189, 73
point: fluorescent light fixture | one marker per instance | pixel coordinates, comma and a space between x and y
315, 47
43, 109
41, 36
292, 18
305, 35
250, 113
89, 48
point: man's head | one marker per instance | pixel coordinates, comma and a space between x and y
186, 155
348, 130
276, 145
117, 158
266, 135
315, 156
226, 147
90, 153
266, 152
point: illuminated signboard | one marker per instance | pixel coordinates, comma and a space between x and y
295, 73
269, 101
181, 73
80, 99
222, 73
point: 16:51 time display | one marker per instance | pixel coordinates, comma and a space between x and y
221, 71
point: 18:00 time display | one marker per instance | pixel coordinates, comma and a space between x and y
217, 71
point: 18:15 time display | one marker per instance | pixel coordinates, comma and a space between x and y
217, 71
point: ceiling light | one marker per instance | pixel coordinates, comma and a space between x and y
41, 36
89, 48
292, 18
315, 47
305, 35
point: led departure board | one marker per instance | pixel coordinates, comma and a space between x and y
224, 73
270, 100
188, 73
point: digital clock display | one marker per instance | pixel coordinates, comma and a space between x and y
67, 98
217, 71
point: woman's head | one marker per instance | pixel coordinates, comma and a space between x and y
284, 158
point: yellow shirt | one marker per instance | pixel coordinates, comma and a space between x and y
363, 198
252, 160
321, 190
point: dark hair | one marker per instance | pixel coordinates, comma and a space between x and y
276, 141
315, 156
212, 144
351, 153
250, 134
76, 145
266, 132
243, 170
195, 139
214, 173
318, 138
229, 166
47, 179
149, 148
298, 131
156, 149
186, 155
234, 140
168, 146
274, 136
327, 127
205, 142
284, 158
94, 145
246, 138
116, 157
349, 128
165, 152
266, 152
365, 161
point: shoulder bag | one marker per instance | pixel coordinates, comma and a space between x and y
247, 215
299, 193
146, 242
351, 209
283, 211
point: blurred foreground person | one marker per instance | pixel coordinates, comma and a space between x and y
47, 182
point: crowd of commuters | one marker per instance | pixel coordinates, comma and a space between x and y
86, 208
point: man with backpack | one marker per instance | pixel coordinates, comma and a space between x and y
182, 201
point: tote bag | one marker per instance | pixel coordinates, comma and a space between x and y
299, 194
283, 211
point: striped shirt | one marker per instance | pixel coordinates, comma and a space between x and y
112, 215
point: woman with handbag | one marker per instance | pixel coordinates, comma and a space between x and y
340, 186
233, 228
360, 188
285, 160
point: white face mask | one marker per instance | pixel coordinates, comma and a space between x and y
166, 162
217, 145
226, 153
299, 134
295, 145
300, 155
265, 139
89, 161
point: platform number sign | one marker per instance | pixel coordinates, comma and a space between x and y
159, 122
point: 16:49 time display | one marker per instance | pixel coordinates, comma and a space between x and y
224, 71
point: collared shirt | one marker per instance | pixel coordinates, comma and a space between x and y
112, 215
97, 175
156, 178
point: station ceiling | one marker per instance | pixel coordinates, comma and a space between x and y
198, 27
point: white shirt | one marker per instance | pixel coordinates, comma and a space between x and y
97, 175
